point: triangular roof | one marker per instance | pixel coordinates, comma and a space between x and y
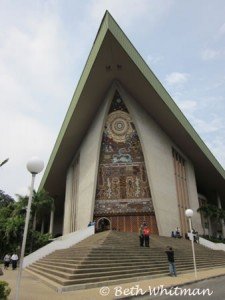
113, 57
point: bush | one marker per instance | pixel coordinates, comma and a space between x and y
214, 239
37, 240
4, 290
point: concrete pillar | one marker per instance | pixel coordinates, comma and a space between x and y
68, 202
51, 222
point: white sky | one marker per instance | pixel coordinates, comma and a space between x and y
44, 46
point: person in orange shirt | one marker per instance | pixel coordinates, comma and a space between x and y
146, 232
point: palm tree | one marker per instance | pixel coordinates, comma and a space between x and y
42, 205
221, 216
20, 205
212, 212
207, 213
4, 162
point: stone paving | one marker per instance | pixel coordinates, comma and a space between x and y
33, 289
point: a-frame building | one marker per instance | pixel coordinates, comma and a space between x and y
125, 153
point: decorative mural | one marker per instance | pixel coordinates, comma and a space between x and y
122, 186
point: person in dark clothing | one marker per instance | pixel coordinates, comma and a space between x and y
186, 236
146, 233
141, 236
170, 255
178, 233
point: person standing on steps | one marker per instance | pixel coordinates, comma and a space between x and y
178, 233
146, 232
170, 255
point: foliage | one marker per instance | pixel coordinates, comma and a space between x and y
212, 212
5, 199
38, 240
12, 220
208, 210
42, 204
4, 290
214, 239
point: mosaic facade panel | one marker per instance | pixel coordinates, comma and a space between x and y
122, 185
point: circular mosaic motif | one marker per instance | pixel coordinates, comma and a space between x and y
118, 126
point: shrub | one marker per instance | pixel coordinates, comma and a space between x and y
37, 240
214, 239
4, 290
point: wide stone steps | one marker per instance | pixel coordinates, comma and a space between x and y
59, 278
112, 256
119, 258
127, 268
92, 265
127, 258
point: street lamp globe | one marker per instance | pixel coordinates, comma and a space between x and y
35, 165
189, 213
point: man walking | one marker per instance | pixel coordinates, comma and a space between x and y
6, 261
14, 259
170, 255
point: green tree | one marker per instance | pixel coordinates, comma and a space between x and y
5, 199
212, 212
41, 207
12, 220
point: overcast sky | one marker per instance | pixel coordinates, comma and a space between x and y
45, 44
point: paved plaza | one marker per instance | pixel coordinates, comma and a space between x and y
33, 289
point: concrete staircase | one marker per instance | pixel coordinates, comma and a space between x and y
112, 257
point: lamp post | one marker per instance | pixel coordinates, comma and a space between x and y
189, 214
34, 166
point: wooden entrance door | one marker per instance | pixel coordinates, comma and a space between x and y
131, 223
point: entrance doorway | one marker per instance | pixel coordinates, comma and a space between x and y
103, 224
126, 223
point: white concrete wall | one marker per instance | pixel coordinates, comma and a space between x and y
211, 245
64, 242
88, 165
157, 150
